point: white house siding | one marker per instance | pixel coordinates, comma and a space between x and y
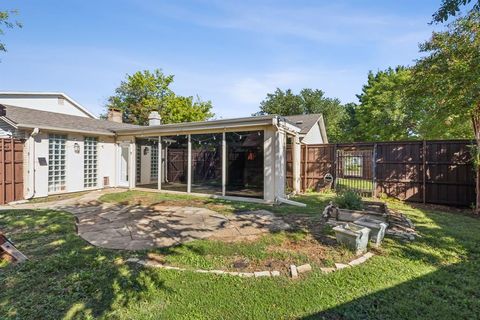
8, 131
74, 182
314, 136
107, 161
48, 103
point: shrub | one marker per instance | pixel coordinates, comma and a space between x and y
348, 199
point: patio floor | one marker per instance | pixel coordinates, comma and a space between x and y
136, 227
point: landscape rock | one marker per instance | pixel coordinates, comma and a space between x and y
262, 274
304, 268
368, 255
275, 273
340, 266
293, 271
327, 270
357, 261
246, 274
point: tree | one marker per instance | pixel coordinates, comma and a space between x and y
308, 101
384, 112
450, 75
284, 103
185, 109
145, 91
350, 125
6, 22
451, 8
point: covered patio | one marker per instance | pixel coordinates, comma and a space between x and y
244, 158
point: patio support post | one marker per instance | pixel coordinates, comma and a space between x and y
189, 164
224, 163
296, 159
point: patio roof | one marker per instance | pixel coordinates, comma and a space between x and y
214, 125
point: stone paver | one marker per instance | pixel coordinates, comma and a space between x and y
135, 227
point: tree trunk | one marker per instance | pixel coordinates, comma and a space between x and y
476, 128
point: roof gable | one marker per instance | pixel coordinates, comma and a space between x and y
9, 97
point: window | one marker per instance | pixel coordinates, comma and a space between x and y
245, 164
138, 161
56, 162
207, 163
154, 162
90, 162
176, 162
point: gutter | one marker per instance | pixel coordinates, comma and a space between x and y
49, 128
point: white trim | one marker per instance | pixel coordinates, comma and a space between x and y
50, 94
224, 164
189, 164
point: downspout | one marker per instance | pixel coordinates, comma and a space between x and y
31, 168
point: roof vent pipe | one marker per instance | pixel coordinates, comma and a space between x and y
154, 119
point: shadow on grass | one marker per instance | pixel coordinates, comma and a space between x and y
449, 292
65, 277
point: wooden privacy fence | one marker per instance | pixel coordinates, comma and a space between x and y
11, 170
437, 172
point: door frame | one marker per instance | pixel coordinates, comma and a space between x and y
120, 182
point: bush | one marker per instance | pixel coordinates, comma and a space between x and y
348, 200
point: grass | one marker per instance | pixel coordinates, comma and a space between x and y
315, 202
435, 277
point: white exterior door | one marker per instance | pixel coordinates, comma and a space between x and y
124, 165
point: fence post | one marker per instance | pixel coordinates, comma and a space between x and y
424, 174
305, 170
334, 166
374, 169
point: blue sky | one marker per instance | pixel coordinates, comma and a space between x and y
230, 52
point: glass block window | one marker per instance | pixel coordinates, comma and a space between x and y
56, 162
90, 162
154, 162
138, 157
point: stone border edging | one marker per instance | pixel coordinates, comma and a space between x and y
294, 270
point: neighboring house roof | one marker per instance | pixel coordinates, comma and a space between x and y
304, 121
25, 118
48, 94
307, 121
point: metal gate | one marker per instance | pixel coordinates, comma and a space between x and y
355, 171
11, 170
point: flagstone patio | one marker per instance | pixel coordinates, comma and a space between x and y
137, 227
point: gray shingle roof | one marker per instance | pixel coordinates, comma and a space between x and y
304, 121
44, 119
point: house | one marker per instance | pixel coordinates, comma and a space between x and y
312, 128
67, 149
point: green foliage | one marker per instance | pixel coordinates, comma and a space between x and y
384, 113
393, 106
348, 199
145, 91
308, 101
450, 74
451, 8
6, 21
350, 124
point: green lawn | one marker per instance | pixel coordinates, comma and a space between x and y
435, 277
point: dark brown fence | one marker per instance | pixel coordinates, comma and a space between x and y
11, 170
437, 172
